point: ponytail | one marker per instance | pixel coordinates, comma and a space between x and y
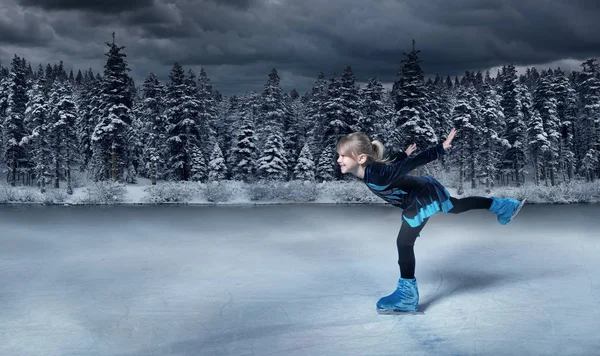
379, 149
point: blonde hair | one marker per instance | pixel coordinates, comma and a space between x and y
358, 143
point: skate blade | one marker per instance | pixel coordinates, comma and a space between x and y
399, 312
518, 209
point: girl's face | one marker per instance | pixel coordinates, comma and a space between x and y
348, 164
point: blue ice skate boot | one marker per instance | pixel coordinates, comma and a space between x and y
404, 298
506, 208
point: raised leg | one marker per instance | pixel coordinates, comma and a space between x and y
469, 203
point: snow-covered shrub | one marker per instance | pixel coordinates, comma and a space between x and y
346, 192
10, 194
78, 179
217, 192
564, 193
299, 191
170, 192
54, 196
273, 191
238, 191
538, 194
226, 191
104, 193
582, 192
264, 190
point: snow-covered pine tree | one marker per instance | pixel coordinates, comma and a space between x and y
412, 125
588, 163
60, 72
492, 118
389, 124
207, 121
474, 134
49, 73
296, 128
221, 125
526, 106
566, 109
315, 114
182, 130
4, 92
537, 144
435, 107
350, 101
37, 120
336, 124
374, 112
408, 90
89, 91
154, 127
446, 97
272, 112
192, 110
448, 83
478, 83
290, 133
412, 130
516, 128
463, 117
531, 79
305, 167
27, 169
217, 169
198, 168
244, 152
589, 120
79, 78
272, 163
545, 103
135, 137
109, 140
325, 166
229, 122
62, 131
14, 130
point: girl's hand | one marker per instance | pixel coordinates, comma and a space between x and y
410, 149
446, 143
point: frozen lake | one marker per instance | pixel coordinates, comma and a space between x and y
294, 280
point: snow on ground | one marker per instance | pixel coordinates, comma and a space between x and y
294, 280
294, 192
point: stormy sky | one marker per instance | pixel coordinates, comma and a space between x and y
237, 42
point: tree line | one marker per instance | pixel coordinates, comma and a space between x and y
544, 123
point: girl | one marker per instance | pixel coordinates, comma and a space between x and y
419, 196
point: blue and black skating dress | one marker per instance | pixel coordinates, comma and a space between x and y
419, 196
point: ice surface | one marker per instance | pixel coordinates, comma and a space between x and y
294, 280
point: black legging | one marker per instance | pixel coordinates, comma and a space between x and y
407, 235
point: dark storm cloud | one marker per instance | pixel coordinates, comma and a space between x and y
239, 41
23, 28
241, 4
103, 6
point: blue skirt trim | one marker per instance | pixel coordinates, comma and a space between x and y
428, 211
432, 199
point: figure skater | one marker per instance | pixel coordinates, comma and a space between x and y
420, 197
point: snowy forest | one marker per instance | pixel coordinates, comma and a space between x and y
542, 126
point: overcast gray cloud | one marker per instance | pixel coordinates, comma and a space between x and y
239, 41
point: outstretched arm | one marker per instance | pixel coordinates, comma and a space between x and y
404, 166
430, 154
386, 174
